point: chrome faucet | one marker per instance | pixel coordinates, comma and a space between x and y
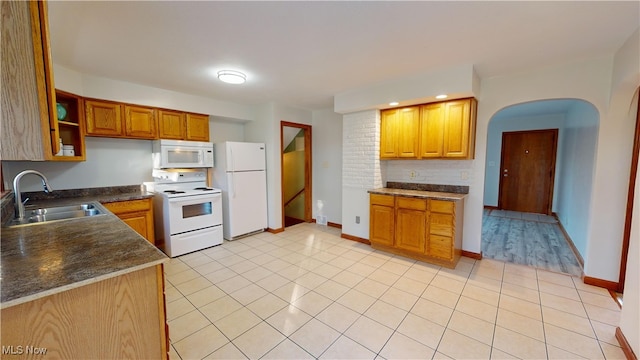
19, 204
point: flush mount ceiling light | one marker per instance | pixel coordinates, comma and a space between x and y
442, 96
232, 76
394, 103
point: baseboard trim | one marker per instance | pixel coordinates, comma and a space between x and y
491, 207
624, 345
355, 238
609, 285
469, 254
334, 225
275, 231
570, 241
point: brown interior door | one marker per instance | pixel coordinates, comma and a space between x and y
527, 170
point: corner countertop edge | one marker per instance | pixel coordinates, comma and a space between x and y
78, 284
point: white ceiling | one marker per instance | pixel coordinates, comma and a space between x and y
302, 53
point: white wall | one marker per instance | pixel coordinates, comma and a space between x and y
498, 126
266, 129
327, 164
575, 172
110, 162
221, 130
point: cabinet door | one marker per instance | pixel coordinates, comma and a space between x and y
171, 125
389, 129
408, 132
27, 120
457, 118
103, 118
381, 220
139, 222
431, 130
410, 232
140, 122
197, 127
138, 214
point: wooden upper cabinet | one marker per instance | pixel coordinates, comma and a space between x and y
171, 125
431, 130
197, 127
444, 130
389, 129
399, 129
408, 132
140, 122
459, 129
104, 118
27, 118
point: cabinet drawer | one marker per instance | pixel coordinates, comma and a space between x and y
441, 206
120, 207
441, 224
384, 200
440, 246
412, 203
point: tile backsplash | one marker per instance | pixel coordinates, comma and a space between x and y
444, 172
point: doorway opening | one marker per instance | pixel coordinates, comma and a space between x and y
538, 184
296, 173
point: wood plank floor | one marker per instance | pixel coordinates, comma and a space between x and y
528, 239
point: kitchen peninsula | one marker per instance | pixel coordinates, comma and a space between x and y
89, 287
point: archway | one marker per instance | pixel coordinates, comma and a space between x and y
542, 243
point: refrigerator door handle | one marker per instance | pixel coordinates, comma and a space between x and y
232, 162
233, 185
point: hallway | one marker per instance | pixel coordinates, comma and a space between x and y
528, 239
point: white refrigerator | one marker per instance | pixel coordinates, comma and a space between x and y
240, 172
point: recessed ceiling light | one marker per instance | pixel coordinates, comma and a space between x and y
442, 96
394, 103
232, 76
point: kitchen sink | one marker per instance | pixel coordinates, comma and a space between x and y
44, 215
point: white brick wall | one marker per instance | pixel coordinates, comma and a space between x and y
360, 150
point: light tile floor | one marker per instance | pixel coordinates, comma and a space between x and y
307, 293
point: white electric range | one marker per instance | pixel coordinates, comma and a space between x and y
188, 213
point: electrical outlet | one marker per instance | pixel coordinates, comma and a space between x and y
412, 174
357, 219
464, 175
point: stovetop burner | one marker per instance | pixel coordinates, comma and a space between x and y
174, 192
203, 188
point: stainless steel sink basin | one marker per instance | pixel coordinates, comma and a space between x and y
43, 215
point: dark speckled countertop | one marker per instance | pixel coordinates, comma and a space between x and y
427, 191
44, 259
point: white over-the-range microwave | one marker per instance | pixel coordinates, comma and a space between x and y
181, 154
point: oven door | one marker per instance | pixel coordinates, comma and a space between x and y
194, 212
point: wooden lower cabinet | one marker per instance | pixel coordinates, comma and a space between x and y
425, 229
411, 219
118, 318
138, 214
382, 223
